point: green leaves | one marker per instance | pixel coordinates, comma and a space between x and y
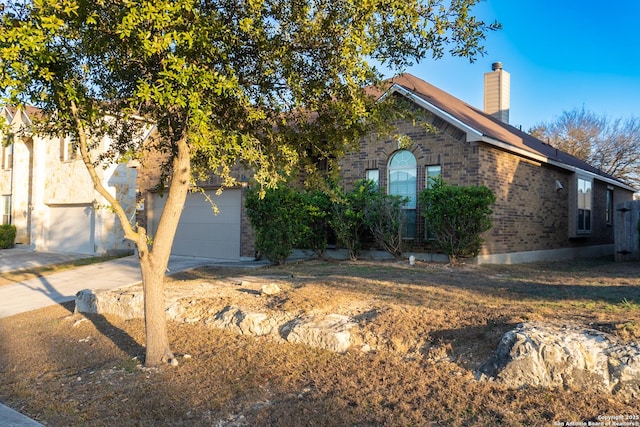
457, 216
278, 219
269, 82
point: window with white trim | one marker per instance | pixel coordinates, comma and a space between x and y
7, 152
609, 207
431, 172
402, 182
584, 204
5, 207
68, 150
373, 175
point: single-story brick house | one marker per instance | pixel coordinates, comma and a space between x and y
549, 204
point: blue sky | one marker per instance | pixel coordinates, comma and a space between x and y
561, 54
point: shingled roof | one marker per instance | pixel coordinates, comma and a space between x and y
490, 129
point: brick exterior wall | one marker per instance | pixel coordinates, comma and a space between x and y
530, 213
459, 160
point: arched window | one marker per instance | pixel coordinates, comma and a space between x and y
402, 182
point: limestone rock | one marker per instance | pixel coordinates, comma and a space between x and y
128, 305
175, 311
331, 332
565, 356
270, 289
246, 323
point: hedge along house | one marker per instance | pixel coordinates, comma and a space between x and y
47, 193
549, 204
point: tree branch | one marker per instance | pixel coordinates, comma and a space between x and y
129, 233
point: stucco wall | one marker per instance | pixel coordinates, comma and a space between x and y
20, 200
42, 180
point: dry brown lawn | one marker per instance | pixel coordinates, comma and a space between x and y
431, 327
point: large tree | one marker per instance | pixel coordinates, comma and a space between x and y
611, 145
269, 83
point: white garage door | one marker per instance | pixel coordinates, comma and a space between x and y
200, 232
71, 229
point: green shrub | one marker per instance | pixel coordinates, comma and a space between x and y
7, 236
284, 219
385, 219
457, 216
278, 221
315, 225
348, 215
365, 212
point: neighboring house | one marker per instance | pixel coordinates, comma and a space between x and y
46, 192
549, 204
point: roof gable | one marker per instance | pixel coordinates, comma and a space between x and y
484, 127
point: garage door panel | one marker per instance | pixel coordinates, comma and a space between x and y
70, 229
200, 232
227, 198
202, 249
205, 215
207, 232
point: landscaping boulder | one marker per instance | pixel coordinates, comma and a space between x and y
270, 289
331, 332
123, 303
565, 356
244, 322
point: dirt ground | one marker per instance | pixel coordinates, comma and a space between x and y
428, 328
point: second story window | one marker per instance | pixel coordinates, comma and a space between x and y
68, 150
7, 152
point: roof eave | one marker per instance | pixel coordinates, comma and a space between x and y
471, 134
474, 135
592, 175
513, 149
556, 163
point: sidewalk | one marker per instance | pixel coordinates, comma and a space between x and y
62, 287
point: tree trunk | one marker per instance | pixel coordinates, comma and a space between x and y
154, 263
157, 340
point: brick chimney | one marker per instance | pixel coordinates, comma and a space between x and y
496, 92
